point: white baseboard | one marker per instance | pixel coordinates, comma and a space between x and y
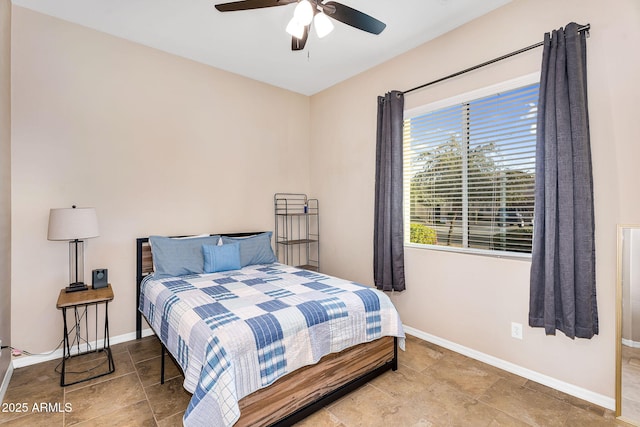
579, 392
630, 343
22, 361
5, 381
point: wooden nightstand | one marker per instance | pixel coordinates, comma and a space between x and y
79, 302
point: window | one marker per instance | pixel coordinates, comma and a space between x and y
469, 170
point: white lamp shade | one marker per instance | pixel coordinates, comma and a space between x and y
72, 223
295, 28
323, 24
303, 12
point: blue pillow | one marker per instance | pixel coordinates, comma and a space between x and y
179, 257
221, 257
253, 250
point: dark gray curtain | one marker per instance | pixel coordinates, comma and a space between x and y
563, 284
388, 249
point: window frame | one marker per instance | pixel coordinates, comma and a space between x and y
466, 97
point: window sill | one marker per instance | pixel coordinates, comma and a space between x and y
470, 251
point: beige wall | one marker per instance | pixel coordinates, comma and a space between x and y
472, 300
95, 118
5, 183
156, 143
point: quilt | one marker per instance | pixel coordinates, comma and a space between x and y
237, 331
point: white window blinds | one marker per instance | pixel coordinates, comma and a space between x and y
469, 173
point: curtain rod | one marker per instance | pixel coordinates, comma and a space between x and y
475, 67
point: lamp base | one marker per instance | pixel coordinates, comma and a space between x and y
74, 287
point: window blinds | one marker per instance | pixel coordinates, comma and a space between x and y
469, 172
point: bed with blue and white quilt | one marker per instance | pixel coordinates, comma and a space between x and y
236, 331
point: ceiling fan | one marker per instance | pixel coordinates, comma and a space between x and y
308, 11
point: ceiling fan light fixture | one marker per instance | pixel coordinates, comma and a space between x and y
303, 12
295, 28
323, 24
303, 17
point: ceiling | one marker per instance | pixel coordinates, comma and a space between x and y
254, 43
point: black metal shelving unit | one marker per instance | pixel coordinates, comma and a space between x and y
297, 230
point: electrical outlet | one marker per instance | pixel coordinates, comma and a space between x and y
516, 330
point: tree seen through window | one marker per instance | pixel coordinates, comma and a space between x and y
470, 169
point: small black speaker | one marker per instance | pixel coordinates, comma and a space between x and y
99, 278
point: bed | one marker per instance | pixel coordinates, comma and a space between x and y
264, 343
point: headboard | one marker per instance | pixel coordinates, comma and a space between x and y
144, 267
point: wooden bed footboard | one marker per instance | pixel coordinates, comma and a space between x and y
298, 394
308, 389
301, 393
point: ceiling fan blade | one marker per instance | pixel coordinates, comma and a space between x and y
354, 17
298, 44
251, 4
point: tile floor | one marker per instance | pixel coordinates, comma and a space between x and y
432, 387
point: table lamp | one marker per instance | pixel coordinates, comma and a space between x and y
74, 224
